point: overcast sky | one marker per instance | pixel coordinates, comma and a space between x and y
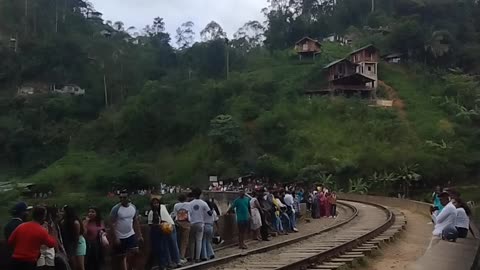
230, 14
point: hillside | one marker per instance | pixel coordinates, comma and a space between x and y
274, 131
155, 113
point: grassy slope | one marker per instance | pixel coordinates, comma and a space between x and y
341, 131
426, 117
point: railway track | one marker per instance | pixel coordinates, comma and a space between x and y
331, 248
310, 228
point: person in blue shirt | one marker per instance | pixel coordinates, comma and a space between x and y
243, 212
436, 200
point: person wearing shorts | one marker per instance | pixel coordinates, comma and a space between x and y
127, 234
127, 246
243, 213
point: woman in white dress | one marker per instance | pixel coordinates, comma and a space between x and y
256, 222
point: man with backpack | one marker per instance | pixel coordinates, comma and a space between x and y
181, 214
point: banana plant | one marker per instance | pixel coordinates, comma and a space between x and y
384, 179
358, 185
407, 176
327, 180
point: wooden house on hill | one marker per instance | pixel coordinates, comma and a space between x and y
340, 68
366, 59
308, 48
343, 79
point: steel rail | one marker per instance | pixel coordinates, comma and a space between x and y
223, 260
338, 250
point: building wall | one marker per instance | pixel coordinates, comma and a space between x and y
340, 70
365, 56
367, 59
307, 46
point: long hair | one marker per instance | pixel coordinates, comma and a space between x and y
69, 218
464, 205
98, 216
156, 212
52, 214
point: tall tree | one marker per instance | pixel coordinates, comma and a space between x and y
118, 26
157, 27
251, 34
185, 35
212, 31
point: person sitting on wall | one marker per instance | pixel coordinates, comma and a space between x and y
446, 217
462, 222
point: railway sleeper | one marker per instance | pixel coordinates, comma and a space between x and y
357, 254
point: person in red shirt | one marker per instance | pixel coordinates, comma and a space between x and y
27, 239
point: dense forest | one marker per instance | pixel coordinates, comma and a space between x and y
170, 108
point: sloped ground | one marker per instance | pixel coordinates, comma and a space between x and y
398, 103
406, 249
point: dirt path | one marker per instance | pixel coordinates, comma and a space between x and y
406, 249
397, 101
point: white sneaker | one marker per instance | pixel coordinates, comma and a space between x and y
295, 229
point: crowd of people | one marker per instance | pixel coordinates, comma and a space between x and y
450, 215
57, 238
162, 189
275, 210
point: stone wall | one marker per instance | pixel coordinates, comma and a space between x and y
440, 256
412, 206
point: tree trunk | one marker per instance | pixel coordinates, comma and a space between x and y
26, 17
105, 88
56, 16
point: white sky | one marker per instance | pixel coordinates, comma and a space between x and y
230, 14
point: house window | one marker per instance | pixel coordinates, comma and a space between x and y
305, 46
369, 68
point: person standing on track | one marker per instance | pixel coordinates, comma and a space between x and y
19, 214
256, 223
327, 206
199, 209
333, 204
127, 234
74, 242
181, 214
243, 213
95, 233
208, 232
27, 240
264, 213
289, 201
322, 201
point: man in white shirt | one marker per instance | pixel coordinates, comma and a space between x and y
289, 201
126, 230
446, 217
198, 209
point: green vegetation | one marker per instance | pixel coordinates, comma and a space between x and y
170, 115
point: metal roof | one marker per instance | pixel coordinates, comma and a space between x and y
338, 61
309, 38
363, 48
